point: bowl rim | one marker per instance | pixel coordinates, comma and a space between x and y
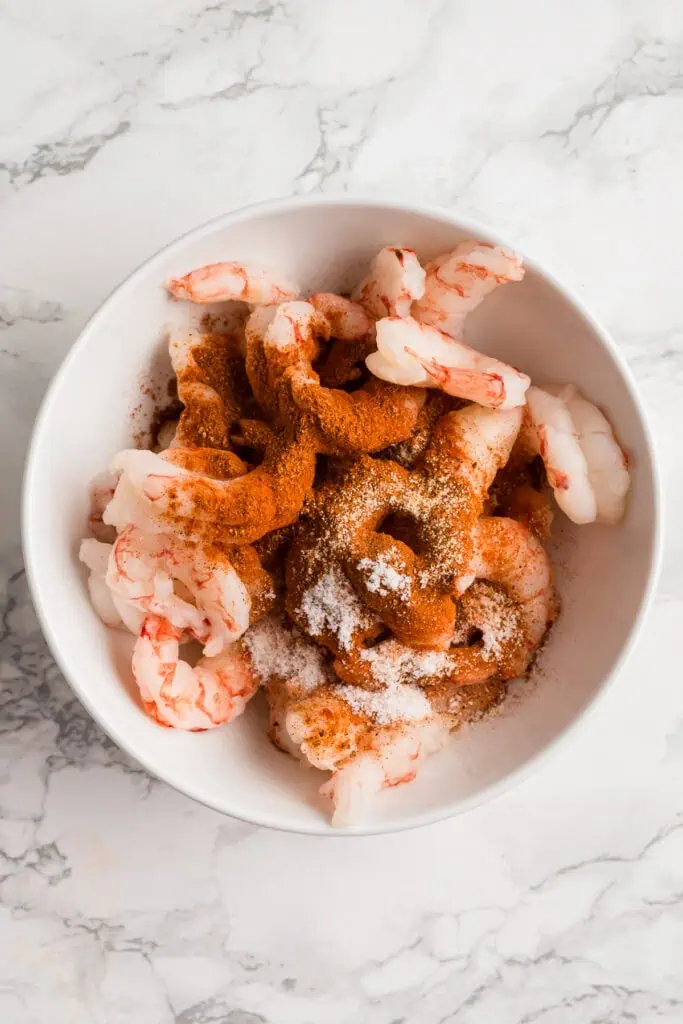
477, 229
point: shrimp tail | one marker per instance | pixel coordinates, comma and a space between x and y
178, 288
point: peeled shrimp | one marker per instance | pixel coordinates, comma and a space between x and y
130, 506
586, 468
551, 430
212, 693
395, 760
459, 280
296, 325
145, 475
292, 327
323, 730
112, 610
506, 552
95, 556
395, 280
208, 412
413, 353
146, 569
221, 282
333, 728
242, 509
607, 464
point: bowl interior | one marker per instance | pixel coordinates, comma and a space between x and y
603, 573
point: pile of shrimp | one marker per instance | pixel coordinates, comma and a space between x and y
222, 589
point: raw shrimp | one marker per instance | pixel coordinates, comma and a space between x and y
325, 731
368, 419
550, 428
297, 325
148, 569
395, 280
211, 385
112, 609
159, 494
414, 353
369, 740
506, 552
459, 280
221, 282
209, 408
212, 693
95, 556
130, 505
144, 474
607, 464
395, 760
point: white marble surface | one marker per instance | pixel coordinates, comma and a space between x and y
123, 124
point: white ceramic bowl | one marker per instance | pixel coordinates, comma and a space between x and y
605, 575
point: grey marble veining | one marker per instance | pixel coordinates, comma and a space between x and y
122, 125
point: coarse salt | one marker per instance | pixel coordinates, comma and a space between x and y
383, 578
331, 606
397, 702
393, 662
279, 650
398, 668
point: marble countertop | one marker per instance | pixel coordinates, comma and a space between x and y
121, 126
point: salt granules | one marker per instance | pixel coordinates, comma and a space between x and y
331, 606
383, 578
277, 650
